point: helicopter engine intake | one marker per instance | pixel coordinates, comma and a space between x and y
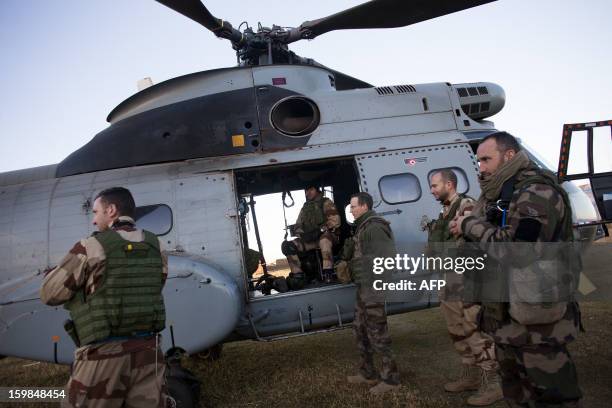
295, 116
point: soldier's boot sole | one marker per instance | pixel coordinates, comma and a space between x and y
360, 379
383, 387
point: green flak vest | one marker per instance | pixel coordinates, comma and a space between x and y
129, 301
499, 311
440, 230
313, 216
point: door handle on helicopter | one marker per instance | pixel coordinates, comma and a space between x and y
398, 212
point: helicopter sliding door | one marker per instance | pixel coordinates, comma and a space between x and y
398, 181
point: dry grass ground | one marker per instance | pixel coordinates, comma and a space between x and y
310, 371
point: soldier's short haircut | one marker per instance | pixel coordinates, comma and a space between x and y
505, 141
313, 185
447, 175
121, 197
364, 198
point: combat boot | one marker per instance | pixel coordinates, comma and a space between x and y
490, 390
383, 387
469, 380
360, 379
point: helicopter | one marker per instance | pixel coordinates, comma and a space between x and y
198, 149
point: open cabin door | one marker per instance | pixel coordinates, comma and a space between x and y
586, 154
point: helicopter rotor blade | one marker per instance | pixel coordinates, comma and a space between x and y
382, 14
196, 11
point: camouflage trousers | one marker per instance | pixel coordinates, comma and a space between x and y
372, 334
128, 373
475, 347
325, 244
538, 375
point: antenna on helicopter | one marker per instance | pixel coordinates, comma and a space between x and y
144, 83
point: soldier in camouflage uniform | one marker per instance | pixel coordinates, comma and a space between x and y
317, 226
373, 238
479, 367
118, 361
531, 338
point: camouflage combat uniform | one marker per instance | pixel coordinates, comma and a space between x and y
373, 238
536, 367
474, 347
314, 215
119, 370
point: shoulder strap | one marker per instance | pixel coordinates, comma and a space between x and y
108, 238
151, 239
508, 189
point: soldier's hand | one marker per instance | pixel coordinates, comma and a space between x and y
425, 221
455, 225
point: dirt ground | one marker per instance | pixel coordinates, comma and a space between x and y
310, 371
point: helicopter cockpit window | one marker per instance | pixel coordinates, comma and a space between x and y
400, 188
462, 182
155, 218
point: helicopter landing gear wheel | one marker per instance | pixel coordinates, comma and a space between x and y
183, 386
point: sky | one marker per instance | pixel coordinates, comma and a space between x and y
67, 63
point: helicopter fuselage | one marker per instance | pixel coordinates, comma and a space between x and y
189, 149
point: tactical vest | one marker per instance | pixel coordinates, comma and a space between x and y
440, 230
356, 262
499, 311
312, 215
129, 301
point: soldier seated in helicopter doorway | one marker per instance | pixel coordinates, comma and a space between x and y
317, 226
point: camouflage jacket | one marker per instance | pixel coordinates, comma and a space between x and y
535, 213
330, 217
466, 204
373, 238
83, 268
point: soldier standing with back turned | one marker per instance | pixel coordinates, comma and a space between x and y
521, 203
111, 284
479, 368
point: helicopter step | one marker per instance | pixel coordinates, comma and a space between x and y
303, 332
